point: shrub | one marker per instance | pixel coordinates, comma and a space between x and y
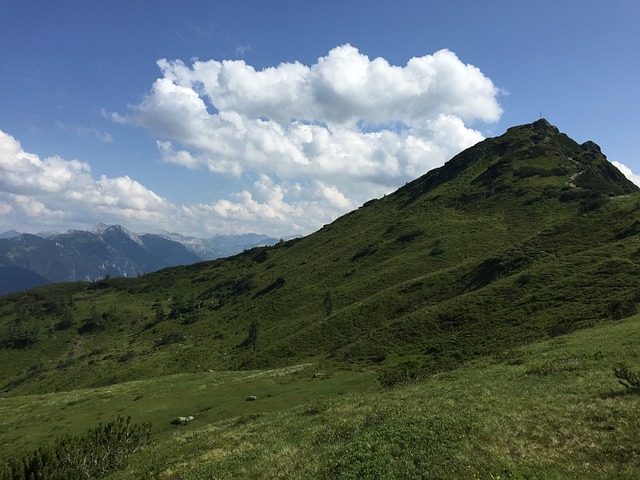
95, 454
618, 309
593, 204
379, 355
125, 357
407, 372
627, 377
169, 339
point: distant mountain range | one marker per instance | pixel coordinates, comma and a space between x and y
28, 261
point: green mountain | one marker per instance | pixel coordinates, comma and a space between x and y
525, 236
504, 279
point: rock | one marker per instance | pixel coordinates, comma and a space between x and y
181, 420
591, 147
251, 398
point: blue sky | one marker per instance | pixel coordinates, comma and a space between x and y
276, 117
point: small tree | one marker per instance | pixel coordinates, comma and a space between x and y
177, 306
23, 332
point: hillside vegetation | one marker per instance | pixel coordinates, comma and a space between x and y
525, 237
548, 410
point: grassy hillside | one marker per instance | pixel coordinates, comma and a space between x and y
524, 236
548, 410
551, 409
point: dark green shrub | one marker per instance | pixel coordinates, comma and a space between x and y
408, 237
379, 355
191, 319
365, 252
168, 339
125, 357
618, 309
95, 454
593, 204
628, 378
407, 372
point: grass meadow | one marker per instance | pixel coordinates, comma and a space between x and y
552, 410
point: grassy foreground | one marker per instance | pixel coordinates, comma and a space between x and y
548, 410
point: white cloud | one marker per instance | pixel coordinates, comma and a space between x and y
53, 191
316, 140
634, 177
360, 127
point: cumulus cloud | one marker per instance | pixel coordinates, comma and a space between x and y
53, 193
634, 177
359, 127
38, 193
315, 141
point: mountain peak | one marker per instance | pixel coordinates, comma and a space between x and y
528, 163
591, 147
541, 126
99, 228
102, 229
544, 126
10, 234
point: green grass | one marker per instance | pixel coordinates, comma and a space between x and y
550, 409
502, 417
25, 421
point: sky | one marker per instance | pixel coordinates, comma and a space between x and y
277, 117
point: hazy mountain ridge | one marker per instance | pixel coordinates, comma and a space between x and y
220, 246
28, 261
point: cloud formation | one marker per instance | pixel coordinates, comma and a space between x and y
49, 192
315, 141
348, 125
52, 193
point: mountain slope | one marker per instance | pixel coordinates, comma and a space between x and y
525, 236
14, 279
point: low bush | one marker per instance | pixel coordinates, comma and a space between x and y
407, 372
626, 376
169, 339
95, 454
